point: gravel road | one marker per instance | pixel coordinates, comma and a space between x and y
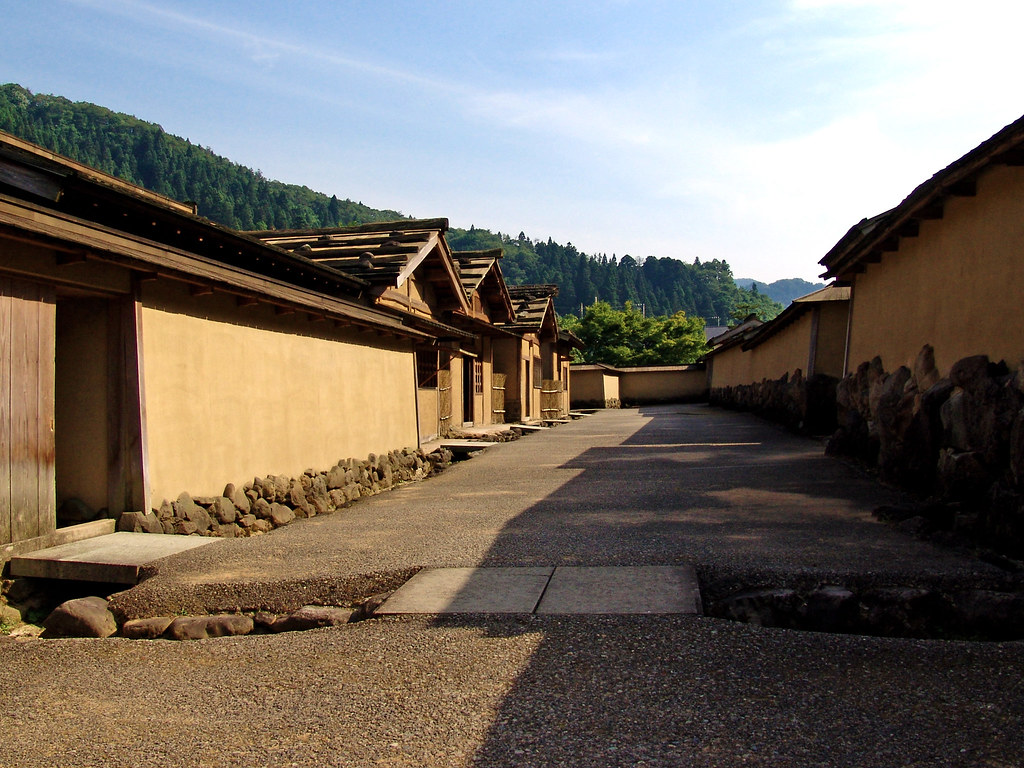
736, 497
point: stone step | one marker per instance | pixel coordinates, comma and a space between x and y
562, 590
114, 558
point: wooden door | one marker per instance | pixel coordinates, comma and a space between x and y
27, 344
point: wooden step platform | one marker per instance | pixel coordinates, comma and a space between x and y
114, 558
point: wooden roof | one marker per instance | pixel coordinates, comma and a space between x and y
534, 307
480, 272
800, 306
735, 335
870, 240
381, 254
85, 214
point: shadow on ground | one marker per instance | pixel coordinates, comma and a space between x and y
740, 501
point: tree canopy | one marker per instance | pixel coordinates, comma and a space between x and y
625, 337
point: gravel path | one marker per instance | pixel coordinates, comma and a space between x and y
616, 488
732, 495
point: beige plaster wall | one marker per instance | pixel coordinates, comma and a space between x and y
784, 352
831, 349
957, 286
730, 368
230, 395
428, 412
639, 385
588, 385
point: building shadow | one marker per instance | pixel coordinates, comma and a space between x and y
731, 495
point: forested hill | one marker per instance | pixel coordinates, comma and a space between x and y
241, 198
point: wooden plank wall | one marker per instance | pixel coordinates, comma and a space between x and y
498, 398
444, 393
27, 339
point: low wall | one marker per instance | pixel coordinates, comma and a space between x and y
599, 386
594, 386
663, 384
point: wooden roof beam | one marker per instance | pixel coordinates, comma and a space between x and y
1012, 157
911, 228
963, 188
71, 257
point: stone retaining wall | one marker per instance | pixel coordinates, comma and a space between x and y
270, 502
958, 440
805, 405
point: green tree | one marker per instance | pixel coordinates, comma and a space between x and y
752, 302
625, 337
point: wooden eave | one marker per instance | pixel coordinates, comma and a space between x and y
55, 229
31, 156
440, 331
81, 193
864, 245
484, 327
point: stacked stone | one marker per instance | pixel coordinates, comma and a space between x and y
273, 501
804, 404
958, 439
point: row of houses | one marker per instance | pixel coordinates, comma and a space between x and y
145, 351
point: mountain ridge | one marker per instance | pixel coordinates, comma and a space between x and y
242, 198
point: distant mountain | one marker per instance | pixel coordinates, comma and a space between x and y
782, 291
241, 198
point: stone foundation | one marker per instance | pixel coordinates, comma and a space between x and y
805, 405
270, 502
959, 441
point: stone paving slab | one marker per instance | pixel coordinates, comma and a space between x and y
562, 591
114, 558
470, 590
622, 590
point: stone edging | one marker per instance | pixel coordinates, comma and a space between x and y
266, 503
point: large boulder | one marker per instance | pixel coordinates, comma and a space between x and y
82, 617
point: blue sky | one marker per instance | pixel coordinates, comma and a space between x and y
756, 132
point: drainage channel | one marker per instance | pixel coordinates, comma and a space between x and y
987, 613
963, 610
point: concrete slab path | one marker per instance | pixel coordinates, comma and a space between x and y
565, 590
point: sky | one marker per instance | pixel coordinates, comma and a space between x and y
754, 131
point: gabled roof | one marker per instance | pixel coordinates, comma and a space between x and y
569, 339
869, 240
480, 272
534, 307
735, 335
829, 293
383, 254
